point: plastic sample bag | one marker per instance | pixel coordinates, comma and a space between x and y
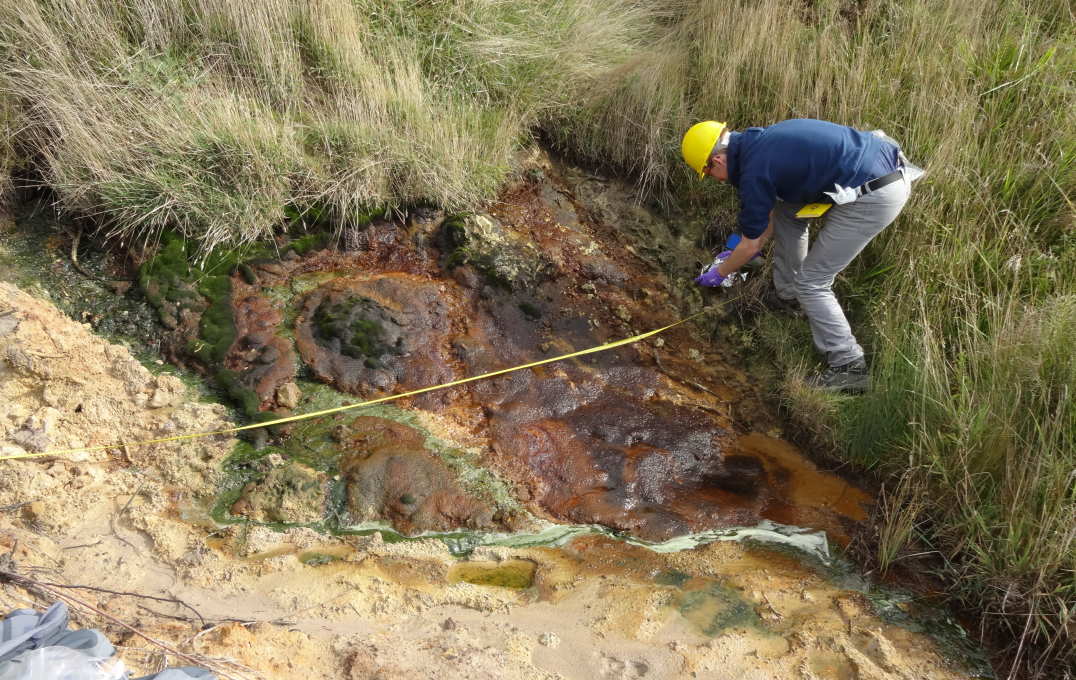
60, 663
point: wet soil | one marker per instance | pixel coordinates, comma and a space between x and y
648, 439
657, 439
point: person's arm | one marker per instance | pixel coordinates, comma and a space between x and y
746, 249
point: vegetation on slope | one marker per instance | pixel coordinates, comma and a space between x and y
211, 117
217, 119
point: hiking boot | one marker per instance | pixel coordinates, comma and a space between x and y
786, 306
853, 377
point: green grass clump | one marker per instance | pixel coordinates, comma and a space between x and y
9, 157
175, 281
244, 397
308, 243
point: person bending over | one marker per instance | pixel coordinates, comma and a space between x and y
857, 182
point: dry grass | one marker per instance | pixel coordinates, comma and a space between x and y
963, 302
214, 117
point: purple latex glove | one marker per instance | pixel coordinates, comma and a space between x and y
711, 278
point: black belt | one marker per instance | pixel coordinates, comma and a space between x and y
871, 186
876, 184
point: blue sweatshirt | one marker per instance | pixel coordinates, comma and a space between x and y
796, 160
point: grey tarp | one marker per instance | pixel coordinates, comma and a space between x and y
26, 631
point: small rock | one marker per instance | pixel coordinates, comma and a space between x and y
622, 313
170, 383
448, 624
288, 394
259, 438
467, 277
11, 450
274, 268
160, 398
551, 640
119, 287
83, 469
8, 324
694, 354
255, 339
53, 395
34, 433
33, 512
167, 393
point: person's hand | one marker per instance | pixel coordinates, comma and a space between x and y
712, 278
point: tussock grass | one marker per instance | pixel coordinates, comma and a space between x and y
212, 116
215, 118
965, 303
994, 431
8, 157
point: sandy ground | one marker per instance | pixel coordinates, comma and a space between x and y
258, 606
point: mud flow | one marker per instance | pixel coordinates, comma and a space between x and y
648, 439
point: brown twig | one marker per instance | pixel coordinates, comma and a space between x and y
112, 518
217, 622
82, 545
172, 600
74, 256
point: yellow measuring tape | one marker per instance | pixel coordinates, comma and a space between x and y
348, 407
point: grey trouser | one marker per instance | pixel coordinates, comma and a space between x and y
807, 275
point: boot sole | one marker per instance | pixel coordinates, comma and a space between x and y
858, 387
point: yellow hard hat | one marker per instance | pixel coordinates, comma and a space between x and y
699, 142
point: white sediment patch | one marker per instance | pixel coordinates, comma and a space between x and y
811, 542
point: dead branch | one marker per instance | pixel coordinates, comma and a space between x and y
172, 600
217, 622
112, 518
74, 256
